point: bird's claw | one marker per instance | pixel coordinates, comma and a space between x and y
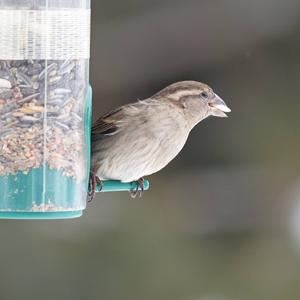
139, 190
93, 183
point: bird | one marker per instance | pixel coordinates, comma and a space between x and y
141, 138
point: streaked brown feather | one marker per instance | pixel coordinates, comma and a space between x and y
106, 124
109, 123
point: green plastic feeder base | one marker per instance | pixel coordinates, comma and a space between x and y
24, 196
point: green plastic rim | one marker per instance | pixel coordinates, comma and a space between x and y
41, 215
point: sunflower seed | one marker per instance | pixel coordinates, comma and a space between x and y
23, 78
29, 119
62, 91
62, 125
5, 84
66, 68
47, 70
28, 98
5, 93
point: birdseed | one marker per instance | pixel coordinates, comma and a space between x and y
42, 115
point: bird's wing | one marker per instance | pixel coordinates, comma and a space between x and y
107, 124
112, 122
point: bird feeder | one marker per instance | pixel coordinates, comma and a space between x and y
45, 109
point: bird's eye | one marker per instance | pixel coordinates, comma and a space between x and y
204, 95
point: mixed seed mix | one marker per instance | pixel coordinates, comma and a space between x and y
41, 116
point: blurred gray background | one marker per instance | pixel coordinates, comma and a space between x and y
222, 221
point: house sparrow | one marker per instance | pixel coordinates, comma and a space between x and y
141, 138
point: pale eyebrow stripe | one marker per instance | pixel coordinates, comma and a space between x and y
183, 93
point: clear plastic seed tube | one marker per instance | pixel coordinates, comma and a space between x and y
44, 65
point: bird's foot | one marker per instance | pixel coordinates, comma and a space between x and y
93, 183
139, 190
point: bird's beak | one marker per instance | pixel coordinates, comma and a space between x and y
218, 107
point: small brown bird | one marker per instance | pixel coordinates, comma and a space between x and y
141, 138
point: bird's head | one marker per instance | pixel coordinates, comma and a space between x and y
197, 100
